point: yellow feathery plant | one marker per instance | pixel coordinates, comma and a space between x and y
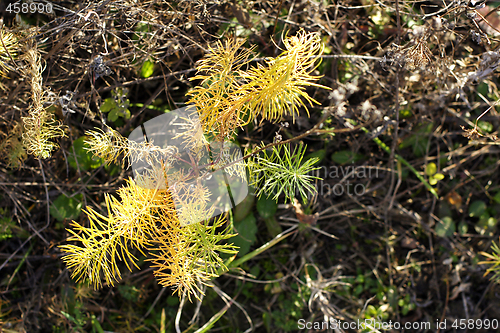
192, 200
39, 126
276, 89
191, 130
8, 50
131, 223
230, 96
191, 257
111, 146
229, 161
216, 99
12, 147
146, 217
165, 221
97, 254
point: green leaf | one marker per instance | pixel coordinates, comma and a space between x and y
438, 176
266, 207
96, 327
463, 228
320, 154
267, 320
346, 156
247, 230
482, 89
371, 311
113, 114
68, 316
140, 27
114, 109
430, 169
147, 69
6, 225
86, 160
485, 126
244, 208
496, 198
380, 17
273, 227
130, 293
358, 290
392, 297
435, 178
487, 225
405, 310
112, 169
477, 208
445, 227
108, 105
405, 113
66, 207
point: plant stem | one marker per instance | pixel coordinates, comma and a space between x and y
271, 243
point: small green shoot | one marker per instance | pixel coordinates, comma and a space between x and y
281, 171
431, 172
117, 105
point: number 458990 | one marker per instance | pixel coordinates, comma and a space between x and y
475, 324
32, 8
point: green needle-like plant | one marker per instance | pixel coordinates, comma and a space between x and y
494, 261
281, 171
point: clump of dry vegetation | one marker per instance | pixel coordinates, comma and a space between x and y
398, 222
